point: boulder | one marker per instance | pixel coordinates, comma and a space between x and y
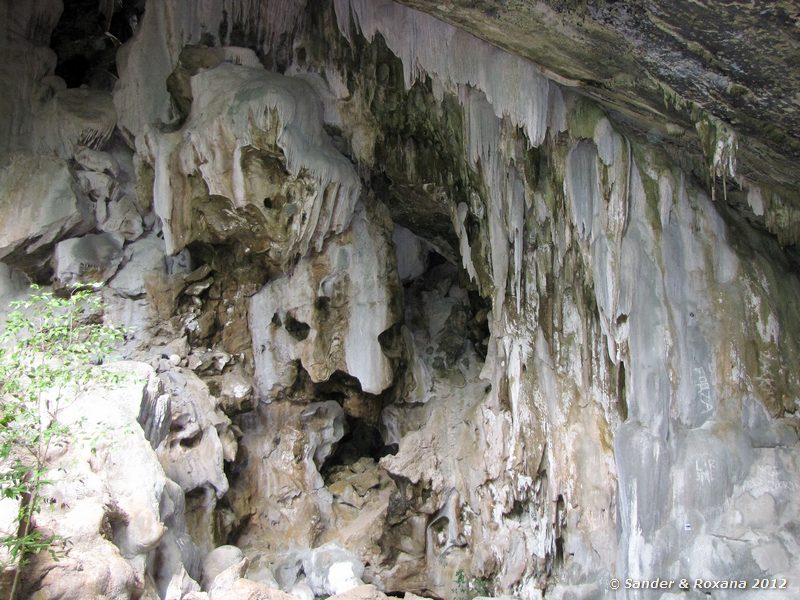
235, 389
12, 284
97, 161
119, 215
260, 571
231, 585
301, 591
194, 449
143, 258
362, 592
108, 497
97, 186
218, 560
330, 569
40, 203
93, 258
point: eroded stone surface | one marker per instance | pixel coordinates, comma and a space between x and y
110, 499
328, 315
41, 203
423, 314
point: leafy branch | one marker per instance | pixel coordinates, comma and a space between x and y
49, 351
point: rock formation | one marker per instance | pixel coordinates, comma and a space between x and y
426, 298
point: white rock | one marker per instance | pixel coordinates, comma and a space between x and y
193, 453
342, 577
330, 313
302, 591
260, 572
330, 570
74, 117
411, 253
95, 160
98, 186
218, 560
121, 217
108, 490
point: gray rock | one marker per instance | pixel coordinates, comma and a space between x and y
120, 216
40, 203
97, 186
143, 258
96, 160
302, 591
109, 497
93, 258
217, 561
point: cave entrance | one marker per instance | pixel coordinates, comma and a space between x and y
362, 440
87, 37
362, 437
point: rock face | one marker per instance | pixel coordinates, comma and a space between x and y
660, 66
423, 316
111, 501
330, 313
40, 202
86, 259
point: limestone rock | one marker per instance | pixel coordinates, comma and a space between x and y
260, 572
330, 313
143, 259
331, 570
235, 390
96, 161
495, 328
73, 118
217, 561
93, 258
193, 452
230, 584
12, 284
234, 164
98, 186
40, 203
362, 592
120, 216
301, 591
108, 493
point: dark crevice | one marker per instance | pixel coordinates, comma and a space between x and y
297, 329
622, 402
86, 41
193, 440
362, 440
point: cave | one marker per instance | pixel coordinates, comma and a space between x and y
404, 297
362, 440
87, 37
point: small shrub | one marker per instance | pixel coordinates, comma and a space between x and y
48, 354
467, 588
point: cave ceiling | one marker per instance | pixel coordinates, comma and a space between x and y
663, 67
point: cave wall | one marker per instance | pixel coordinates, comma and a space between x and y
475, 324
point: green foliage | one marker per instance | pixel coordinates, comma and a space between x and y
467, 588
48, 355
